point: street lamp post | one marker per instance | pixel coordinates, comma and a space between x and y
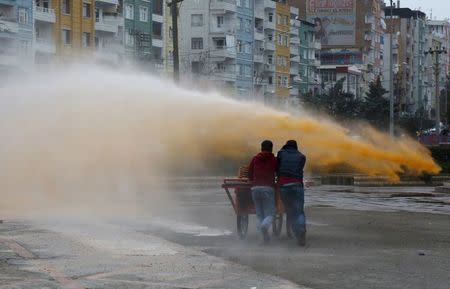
437, 71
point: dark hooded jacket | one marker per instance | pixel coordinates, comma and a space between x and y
291, 162
262, 169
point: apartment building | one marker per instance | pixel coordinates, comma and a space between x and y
158, 36
74, 28
309, 79
109, 31
138, 30
411, 75
168, 41
16, 34
352, 38
44, 31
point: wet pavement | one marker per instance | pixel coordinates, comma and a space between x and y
357, 238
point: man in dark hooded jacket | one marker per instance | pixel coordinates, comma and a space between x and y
290, 179
261, 173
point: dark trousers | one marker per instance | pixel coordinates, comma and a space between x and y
293, 197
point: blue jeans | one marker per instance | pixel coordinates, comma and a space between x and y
264, 199
293, 197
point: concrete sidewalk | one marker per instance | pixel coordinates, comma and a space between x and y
86, 255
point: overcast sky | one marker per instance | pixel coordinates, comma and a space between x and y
441, 8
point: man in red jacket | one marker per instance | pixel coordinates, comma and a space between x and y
261, 173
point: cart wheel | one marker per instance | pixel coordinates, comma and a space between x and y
242, 226
277, 225
289, 233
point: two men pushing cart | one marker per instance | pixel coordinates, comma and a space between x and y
261, 195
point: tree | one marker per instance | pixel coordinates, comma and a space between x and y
336, 102
375, 107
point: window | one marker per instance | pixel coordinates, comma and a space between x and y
240, 69
219, 21
86, 39
23, 15
129, 11
196, 20
278, 19
129, 39
220, 66
248, 48
143, 14
285, 81
270, 59
239, 3
86, 10
270, 17
270, 80
65, 6
247, 3
279, 81
197, 43
270, 37
241, 23
280, 39
286, 40
66, 36
239, 45
248, 71
248, 25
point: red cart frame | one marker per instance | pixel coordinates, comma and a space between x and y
242, 202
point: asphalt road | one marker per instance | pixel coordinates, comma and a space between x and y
185, 238
357, 237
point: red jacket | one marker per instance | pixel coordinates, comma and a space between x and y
262, 169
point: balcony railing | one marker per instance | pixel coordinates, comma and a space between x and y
109, 24
44, 14
45, 45
225, 5
8, 26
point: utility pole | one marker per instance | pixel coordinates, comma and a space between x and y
176, 61
391, 73
437, 71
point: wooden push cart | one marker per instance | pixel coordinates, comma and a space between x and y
239, 194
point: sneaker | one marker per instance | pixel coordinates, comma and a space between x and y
301, 239
265, 233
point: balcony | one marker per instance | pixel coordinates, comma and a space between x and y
294, 70
224, 76
269, 25
317, 45
223, 5
294, 31
223, 52
157, 42
269, 46
259, 13
270, 88
109, 24
224, 29
259, 34
294, 50
295, 59
293, 91
269, 4
295, 40
157, 18
8, 27
259, 58
44, 14
110, 2
45, 45
269, 67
